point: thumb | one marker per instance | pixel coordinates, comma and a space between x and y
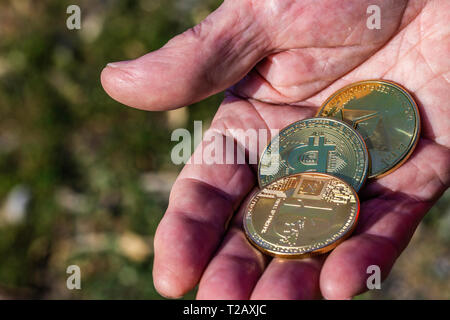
200, 62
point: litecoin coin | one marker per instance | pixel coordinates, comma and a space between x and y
316, 145
385, 115
301, 215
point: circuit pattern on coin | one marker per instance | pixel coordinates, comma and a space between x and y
302, 214
316, 145
385, 115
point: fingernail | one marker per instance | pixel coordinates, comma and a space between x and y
165, 287
118, 64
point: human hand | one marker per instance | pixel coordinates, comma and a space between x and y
283, 59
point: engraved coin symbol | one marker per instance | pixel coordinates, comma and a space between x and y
290, 232
371, 125
310, 157
309, 187
321, 145
355, 117
290, 221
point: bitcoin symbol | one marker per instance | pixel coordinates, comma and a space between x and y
310, 157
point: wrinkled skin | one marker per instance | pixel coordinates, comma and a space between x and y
280, 60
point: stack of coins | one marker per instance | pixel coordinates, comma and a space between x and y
309, 174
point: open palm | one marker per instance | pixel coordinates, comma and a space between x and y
280, 60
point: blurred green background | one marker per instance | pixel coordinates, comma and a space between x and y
85, 180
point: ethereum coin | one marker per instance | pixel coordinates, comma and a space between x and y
301, 214
316, 145
384, 114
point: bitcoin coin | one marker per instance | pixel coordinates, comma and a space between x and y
385, 115
301, 215
316, 145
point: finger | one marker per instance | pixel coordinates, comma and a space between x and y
388, 221
236, 267
202, 201
205, 196
202, 61
286, 279
345, 272
234, 271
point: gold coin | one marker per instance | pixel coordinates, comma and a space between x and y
385, 115
316, 145
301, 215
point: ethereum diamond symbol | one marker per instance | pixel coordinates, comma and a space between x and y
371, 126
354, 116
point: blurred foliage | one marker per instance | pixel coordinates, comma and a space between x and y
80, 154
76, 167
